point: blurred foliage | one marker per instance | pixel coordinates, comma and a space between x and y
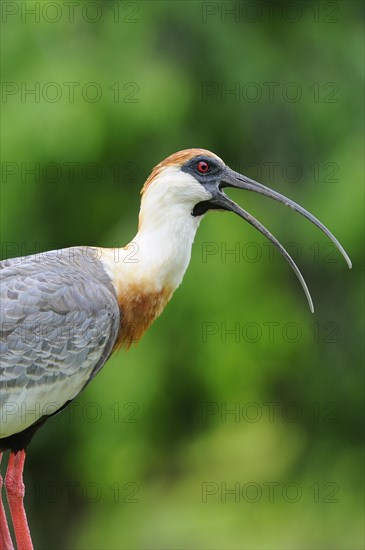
139, 431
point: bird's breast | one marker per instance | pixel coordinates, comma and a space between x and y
139, 307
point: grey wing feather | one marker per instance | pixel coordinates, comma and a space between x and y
59, 320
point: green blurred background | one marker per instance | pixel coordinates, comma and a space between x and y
149, 454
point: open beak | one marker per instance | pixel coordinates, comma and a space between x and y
220, 200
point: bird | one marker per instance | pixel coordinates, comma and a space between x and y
64, 312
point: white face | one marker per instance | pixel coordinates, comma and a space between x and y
173, 191
167, 227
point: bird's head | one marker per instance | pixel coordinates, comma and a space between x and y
191, 182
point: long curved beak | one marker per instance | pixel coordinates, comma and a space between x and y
238, 181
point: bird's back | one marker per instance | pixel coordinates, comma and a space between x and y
59, 320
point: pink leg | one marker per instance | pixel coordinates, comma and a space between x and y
5, 539
15, 493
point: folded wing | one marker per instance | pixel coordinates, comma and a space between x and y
59, 321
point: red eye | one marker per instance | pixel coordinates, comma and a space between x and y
203, 167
